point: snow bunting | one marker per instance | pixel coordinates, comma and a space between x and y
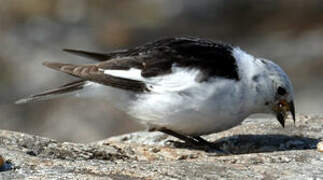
185, 87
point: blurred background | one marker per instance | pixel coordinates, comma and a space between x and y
289, 32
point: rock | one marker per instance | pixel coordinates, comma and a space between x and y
2, 162
5, 165
320, 146
258, 149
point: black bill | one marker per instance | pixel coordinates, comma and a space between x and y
292, 110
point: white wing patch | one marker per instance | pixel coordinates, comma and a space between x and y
133, 74
180, 79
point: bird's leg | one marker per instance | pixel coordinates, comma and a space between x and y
201, 141
193, 140
179, 136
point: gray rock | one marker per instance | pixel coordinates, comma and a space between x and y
320, 146
257, 149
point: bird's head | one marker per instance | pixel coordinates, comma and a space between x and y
280, 93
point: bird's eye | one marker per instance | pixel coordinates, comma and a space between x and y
281, 91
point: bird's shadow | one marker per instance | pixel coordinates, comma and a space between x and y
243, 144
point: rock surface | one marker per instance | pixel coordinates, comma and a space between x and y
257, 149
320, 146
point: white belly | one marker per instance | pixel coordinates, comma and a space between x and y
195, 111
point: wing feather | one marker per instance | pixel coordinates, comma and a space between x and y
95, 55
93, 73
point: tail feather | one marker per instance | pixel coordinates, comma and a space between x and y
53, 93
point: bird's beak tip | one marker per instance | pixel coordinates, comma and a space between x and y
281, 119
292, 110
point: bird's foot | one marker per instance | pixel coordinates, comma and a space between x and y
196, 142
210, 147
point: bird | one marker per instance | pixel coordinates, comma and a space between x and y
185, 87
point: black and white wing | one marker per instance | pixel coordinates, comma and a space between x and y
140, 68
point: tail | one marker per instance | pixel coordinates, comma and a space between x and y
68, 68
50, 94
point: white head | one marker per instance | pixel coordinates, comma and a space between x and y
276, 89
